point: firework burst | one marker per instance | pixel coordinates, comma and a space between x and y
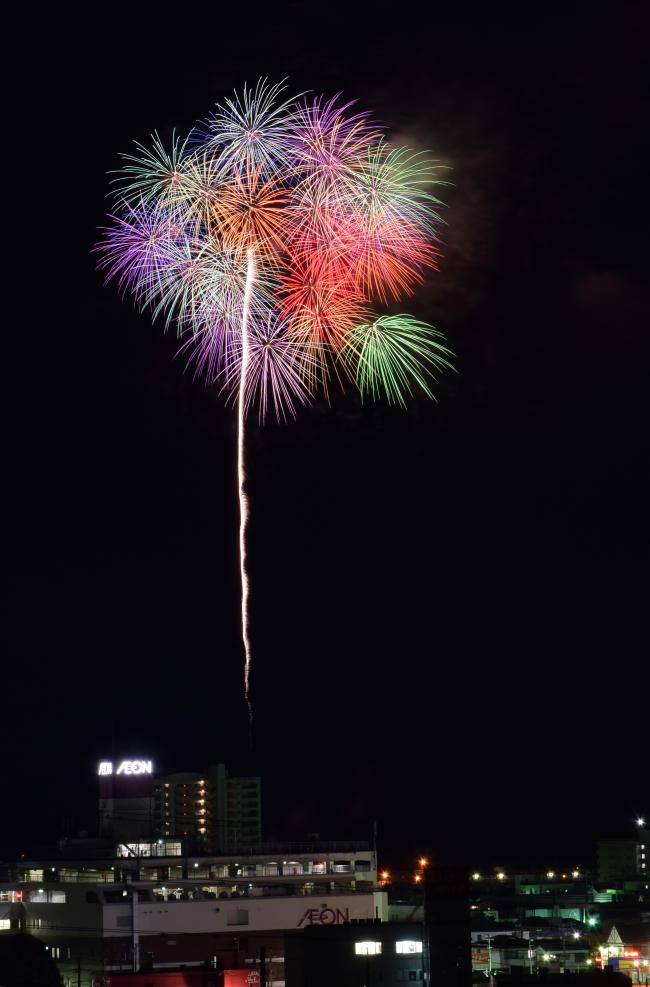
263, 240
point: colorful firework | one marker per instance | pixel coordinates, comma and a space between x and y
264, 238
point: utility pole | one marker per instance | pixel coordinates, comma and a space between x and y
134, 930
262, 966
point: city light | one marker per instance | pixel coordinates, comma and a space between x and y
576, 935
500, 876
417, 878
640, 821
423, 862
575, 873
476, 876
550, 873
367, 948
592, 920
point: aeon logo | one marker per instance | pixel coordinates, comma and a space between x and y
138, 767
325, 916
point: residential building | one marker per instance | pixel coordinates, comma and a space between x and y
621, 859
218, 810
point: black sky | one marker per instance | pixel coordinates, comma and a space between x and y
448, 603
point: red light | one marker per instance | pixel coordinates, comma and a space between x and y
631, 952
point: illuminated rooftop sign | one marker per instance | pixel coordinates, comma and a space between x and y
134, 767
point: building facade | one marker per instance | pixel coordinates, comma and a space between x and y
621, 859
217, 810
359, 953
149, 906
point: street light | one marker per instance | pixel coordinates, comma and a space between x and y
640, 821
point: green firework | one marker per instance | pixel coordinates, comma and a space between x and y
393, 354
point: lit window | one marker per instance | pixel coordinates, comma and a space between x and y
408, 946
5, 923
367, 948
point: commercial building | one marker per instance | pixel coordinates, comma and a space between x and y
214, 809
625, 948
555, 896
150, 905
362, 952
125, 805
530, 950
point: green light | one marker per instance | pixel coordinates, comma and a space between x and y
394, 353
592, 920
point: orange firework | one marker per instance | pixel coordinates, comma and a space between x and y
252, 212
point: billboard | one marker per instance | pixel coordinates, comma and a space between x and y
128, 777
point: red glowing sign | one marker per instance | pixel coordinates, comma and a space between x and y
241, 978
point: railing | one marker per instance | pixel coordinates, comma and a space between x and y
317, 846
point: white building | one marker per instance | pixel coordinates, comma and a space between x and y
149, 905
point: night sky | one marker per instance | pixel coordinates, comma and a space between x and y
448, 603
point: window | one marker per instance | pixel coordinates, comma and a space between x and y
367, 948
56, 952
408, 946
5, 923
56, 897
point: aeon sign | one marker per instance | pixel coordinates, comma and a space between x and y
135, 767
325, 916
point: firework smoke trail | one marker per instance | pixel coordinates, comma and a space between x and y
241, 474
